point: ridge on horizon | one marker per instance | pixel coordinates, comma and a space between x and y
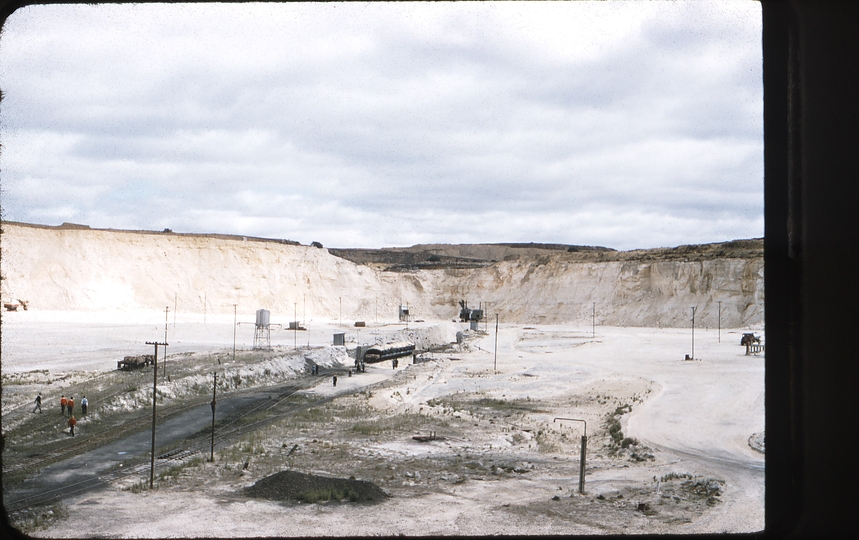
421, 246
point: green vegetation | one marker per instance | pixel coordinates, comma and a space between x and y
328, 494
176, 470
38, 518
138, 487
397, 423
367, 428
167, 475
250, 444
485, 405
614, 429
545, 444
675, 476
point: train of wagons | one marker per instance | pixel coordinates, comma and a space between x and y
380, 353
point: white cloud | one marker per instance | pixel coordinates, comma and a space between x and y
394, 121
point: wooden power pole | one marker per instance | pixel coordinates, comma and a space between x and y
154, 388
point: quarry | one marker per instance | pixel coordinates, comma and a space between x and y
582, 359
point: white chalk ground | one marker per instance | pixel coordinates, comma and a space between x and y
699, 416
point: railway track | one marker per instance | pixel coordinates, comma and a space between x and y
61, 449
193, 445
65, 449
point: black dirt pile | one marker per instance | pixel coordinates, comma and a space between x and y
301, 487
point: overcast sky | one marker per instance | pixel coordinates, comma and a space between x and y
627, 125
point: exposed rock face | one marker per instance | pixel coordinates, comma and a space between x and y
90, 269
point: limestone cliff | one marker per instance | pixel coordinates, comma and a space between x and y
76, 268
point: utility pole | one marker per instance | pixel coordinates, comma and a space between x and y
720, 322
594, 320
166, 309
693, 332
154, 388
583, 453
340, 319
235, 324
496, 344
295, 331
214, 392
205, 305
175, 303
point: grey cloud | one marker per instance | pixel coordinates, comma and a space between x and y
435, 127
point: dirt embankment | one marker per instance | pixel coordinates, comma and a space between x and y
77, 268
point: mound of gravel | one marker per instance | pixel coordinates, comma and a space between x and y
297, 486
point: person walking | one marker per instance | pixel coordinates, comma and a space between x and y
84, 405
70, 405
335, 380
38, 402
63, 402
72, 424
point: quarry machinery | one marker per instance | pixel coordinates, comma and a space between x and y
753, 343
749, 338
466, 314
13, 306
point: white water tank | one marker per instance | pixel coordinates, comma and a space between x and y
263, 317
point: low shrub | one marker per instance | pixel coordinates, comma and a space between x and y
627, 441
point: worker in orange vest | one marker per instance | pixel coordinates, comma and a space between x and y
63, 404
70, 405
72, 424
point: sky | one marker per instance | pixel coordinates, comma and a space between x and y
619, 124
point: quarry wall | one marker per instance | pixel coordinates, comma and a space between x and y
90, 269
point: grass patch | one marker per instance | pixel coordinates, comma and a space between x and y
398, 423
484, 405
138, 487
38, 518
175, 470
328, 494
252, 444
675, 476
545, 443
368, 428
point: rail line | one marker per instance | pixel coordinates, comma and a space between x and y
76, 447
66, 449
193, 445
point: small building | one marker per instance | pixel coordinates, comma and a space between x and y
340, 339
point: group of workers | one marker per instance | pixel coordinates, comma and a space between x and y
67, 406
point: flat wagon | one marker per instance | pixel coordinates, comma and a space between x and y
136, 362
391, 351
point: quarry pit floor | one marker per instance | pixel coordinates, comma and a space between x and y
502, 462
